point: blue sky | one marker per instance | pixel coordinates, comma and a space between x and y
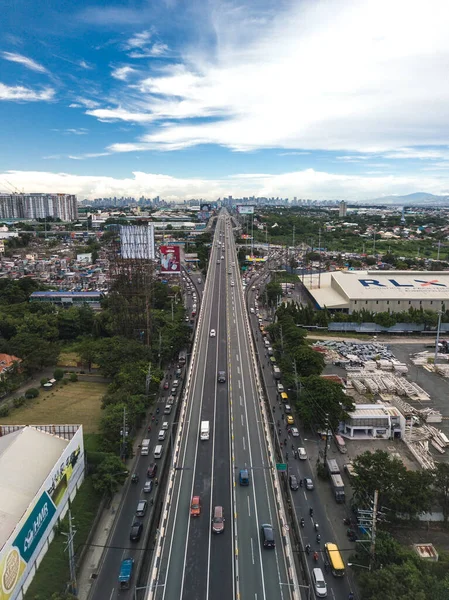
189, 98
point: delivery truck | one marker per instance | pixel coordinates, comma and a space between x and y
144, 450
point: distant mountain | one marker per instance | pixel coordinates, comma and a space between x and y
422, 198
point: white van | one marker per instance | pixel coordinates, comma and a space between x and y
302, 453
319, 583
161, 435
157, 451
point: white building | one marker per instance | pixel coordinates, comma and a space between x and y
41, 468
379, 421
38, 206
379, 291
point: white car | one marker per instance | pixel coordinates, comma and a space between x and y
212, 333
165, 425
232, 284
251, 310
302, 453
294, 432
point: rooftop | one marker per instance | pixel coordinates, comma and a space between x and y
26, 458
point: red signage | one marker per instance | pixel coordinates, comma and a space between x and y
170, 259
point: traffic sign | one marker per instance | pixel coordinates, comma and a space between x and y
281, 466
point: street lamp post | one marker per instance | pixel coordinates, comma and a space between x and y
437, 341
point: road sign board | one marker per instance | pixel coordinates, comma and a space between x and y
281, 466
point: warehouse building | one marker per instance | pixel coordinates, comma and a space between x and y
41, 468
379, 291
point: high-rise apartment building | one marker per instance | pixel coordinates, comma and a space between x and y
342, 209
38, 206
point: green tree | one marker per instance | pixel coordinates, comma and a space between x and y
110, 475
35, 351
320, 397
273, 293
58, 374
441, 487
88, 349
308, 361
377, 471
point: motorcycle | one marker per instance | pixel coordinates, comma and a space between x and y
316, 526
135, 478
302, 522
311, 512
318, 538
315, 556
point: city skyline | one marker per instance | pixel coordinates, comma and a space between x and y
318, 100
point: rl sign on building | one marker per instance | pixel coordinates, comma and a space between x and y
380, 291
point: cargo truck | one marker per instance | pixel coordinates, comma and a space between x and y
338, 487
144, 450
205, 430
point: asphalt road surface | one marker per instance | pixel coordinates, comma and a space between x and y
119, 544
320, 499
194, 562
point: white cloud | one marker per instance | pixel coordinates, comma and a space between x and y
139, 40
84, 102
29, 63
123, 73
19, 93
79, 131
306, 183
321, 75
418, 153
84, 65
157, 49
119, 114
293, 153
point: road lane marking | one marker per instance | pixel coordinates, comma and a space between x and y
238, 369
252, 550
249, 507
112, 593
240, 384
244, 444
241, 418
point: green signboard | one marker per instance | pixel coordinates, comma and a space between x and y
35, 526
281, 466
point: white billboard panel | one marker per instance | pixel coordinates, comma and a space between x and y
244, 209
137, 241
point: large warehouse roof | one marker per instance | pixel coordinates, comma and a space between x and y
337, 289
26, 458
393, 285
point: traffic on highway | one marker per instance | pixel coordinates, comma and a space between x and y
220, 461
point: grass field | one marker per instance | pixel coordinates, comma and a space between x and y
78, 402
68, 359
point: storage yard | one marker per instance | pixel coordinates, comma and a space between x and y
375, 376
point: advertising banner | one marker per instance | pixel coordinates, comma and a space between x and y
244, 209
259, 259
170, 259
137, 241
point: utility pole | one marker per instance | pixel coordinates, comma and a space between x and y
148, 381
373, 531
319, 264
439, 245
327, 431
124, 434
437, 341
69, 545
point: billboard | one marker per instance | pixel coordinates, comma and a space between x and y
259, 259
19, 553
170, 259
245, 209
137, 241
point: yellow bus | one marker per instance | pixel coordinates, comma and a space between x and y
335, 560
